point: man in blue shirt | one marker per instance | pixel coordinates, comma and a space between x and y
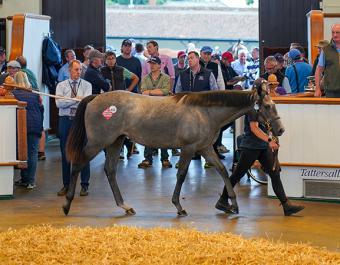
64, 73
298, 72
329, 64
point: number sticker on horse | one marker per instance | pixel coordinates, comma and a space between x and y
108, 112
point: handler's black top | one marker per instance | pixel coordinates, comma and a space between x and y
250, 140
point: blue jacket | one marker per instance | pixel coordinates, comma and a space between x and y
303, 70
96, 79
34, 115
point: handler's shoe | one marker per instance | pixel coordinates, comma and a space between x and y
166, 163
145, 164
223, 206
83, 192
290, 209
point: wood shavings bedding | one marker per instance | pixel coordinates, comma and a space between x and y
131, 245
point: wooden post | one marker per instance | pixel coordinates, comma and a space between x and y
22, 134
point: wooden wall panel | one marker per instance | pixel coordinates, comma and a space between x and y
77, 23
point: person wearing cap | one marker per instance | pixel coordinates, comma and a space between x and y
320, 46
167, 66
129, 62
181, 64
297, 72
206, 62
64, 73
13, 70
73, 87
229, 75
329, 65
86, 62
3, 66
93, 74
155, 83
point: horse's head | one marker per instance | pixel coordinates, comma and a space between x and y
266, 108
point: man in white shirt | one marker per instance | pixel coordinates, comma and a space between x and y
74, 87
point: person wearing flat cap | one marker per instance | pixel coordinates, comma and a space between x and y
297, 72
206, 62
93, 74
320, 46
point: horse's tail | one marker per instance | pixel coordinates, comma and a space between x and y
77, 136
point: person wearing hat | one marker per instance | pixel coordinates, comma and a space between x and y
206, 62
74, 87
13, 70
167, 66
297, 72
2, 60
320, 46
155, 83
181, 64
93, 74
229, 75
329, 64
63, 73
129, 62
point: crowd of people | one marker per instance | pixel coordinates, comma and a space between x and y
150, 73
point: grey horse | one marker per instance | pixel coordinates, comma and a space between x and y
189, 121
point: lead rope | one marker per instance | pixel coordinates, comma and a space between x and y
276, 139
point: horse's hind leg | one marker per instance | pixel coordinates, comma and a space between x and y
89, 154
211, 157
183, 165
111, 161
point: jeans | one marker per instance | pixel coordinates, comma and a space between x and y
148, 154
28, 174
65, 123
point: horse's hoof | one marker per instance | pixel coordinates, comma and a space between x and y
66, 210
234, 210
182, 213
131, 211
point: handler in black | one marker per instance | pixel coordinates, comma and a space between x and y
258, 145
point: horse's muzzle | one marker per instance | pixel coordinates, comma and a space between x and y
280, 132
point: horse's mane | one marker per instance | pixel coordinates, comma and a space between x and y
230, 98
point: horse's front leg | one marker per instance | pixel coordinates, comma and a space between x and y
183, 166
111, 161
211, 157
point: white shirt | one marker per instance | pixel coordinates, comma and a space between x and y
64, 89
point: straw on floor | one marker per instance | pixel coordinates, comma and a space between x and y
130, 245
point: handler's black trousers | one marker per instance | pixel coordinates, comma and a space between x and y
266, 158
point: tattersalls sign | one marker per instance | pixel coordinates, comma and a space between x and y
320, 173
